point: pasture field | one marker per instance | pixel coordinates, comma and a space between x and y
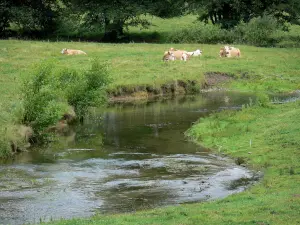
265, 69
274, 130
139, 67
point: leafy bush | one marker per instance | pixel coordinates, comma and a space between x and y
86, 88
43, 103
4, 142
9, 132
259, 31
201, 33
48, 93
263, 100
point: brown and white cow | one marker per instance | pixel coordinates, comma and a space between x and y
168, 56
180, 54
195, 53
229, 51
66, 51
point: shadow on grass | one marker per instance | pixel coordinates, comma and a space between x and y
142, 37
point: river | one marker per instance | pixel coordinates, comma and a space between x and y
124, 158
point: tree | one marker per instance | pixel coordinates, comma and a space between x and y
228, 13
29, 15
4, 16
116, 15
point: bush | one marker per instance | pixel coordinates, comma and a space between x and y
9, 132
48, 93
263, 100
5, 149
86, 88
259, 31
201, 33
43, 103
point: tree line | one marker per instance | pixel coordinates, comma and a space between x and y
43, 17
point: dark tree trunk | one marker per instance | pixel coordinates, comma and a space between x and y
211, 18
113, 31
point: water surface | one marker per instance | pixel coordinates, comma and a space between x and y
128, 157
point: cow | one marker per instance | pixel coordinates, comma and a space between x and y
168, 56
229, 51
179, 54
195, 53
72, 52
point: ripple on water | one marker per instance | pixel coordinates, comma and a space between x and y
136, 158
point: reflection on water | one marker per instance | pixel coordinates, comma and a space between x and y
125, 158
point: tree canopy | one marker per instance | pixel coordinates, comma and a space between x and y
29, 14
228, 13
113, 16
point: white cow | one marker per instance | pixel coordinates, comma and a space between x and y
195, 53
72, 52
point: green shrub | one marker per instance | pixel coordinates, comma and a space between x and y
201, 33
10, 115
84, 89
259, 31
5, 149
263, 100
43, 103
48, 92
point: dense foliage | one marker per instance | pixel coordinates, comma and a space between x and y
115, 16
49, 92
229, 13
110, 19
259, 31
29, 15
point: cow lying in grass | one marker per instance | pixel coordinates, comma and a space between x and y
169, 56
195, 53
173, 55
185, 55
229, 51
176, 54
72, 52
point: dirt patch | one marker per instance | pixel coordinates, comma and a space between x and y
138, 96
177, 87
213, 79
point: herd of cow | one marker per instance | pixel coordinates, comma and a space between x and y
175, 54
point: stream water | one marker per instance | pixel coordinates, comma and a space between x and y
124, 158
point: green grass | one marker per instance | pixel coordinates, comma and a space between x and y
160, 29
268, 69
140, 65
165, 25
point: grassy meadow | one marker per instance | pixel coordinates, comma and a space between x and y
266, 69
136, 68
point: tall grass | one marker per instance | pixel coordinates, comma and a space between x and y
47, 93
